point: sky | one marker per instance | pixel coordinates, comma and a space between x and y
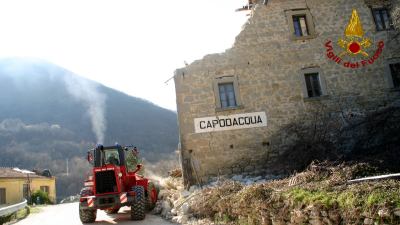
131, 46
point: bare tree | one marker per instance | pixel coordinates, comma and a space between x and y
344, 130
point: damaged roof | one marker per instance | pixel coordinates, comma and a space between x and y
6, 172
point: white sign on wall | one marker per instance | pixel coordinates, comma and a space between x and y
231, 122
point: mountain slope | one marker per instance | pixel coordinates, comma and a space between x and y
48, 114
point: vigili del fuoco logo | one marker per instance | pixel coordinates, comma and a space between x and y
354, 46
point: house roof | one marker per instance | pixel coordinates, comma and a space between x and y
17, 173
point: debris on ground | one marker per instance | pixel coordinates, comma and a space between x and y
318, 195
177, 172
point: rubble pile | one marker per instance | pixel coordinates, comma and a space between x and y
319, 195
175, 203
173, 200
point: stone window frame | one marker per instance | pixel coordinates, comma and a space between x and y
322, 82
389, 17
309, 20
223, 80
388, 73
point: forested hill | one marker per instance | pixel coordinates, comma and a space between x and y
48, 114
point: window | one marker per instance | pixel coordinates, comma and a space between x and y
45, 189
392, 73
226, 93
300, 24
382, 19
132, 160
25, 191
313, 83
104, 156
395, 74
2, 196
111, 156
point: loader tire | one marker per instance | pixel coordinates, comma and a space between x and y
151, 197
87, 215
138, 207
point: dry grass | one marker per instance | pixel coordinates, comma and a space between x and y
319, 189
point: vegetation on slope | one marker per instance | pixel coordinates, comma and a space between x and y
319, 195
42, 124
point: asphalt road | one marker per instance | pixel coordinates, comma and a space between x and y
68, 214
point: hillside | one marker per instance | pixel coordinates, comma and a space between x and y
48, 114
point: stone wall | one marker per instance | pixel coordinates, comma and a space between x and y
267, 64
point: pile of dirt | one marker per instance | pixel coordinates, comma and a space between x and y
318, 195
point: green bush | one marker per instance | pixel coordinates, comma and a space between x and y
40, 197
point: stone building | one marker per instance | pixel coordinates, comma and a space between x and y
290, 56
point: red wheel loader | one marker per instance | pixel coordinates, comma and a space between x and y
115, 182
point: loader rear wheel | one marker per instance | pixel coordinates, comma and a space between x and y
112, 210
151, 198
139, 204
87, 215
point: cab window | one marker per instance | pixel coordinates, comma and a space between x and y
132, 160
111, 156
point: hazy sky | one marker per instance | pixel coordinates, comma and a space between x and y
132, 46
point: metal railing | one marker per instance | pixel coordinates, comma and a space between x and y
381, 177
12, 208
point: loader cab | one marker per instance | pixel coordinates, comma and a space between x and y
113, 155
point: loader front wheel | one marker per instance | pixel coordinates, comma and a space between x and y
87, 215
138, 206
